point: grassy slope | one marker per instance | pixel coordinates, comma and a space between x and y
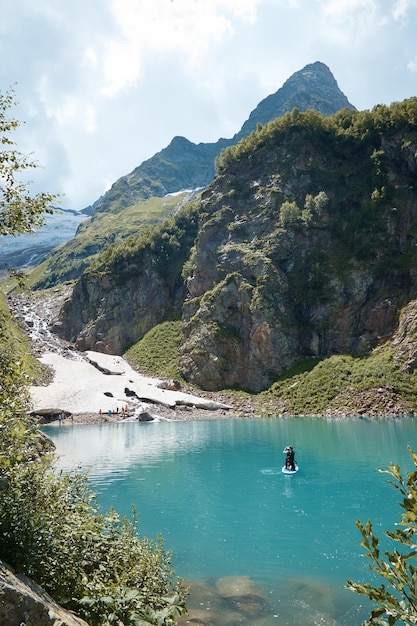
347, 384
157, 353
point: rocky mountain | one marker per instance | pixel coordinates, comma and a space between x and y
183, 165
186, 165
303, 246
314, 87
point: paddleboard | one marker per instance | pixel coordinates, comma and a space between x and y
289, 471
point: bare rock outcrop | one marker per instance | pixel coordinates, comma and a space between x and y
23, 602
271, 287
404, 341
106, 315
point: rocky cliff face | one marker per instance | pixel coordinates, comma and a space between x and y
327, 273
23, 602
107, 316
306, 246
139, 287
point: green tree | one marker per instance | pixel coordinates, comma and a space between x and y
396, 599
20, 212
290, 214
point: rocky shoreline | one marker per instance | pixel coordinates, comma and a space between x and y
161, 414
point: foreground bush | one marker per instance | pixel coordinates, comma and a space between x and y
52, 530
396, 598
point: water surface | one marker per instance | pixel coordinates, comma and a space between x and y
215, 491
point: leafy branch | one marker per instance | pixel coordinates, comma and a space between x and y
396, 599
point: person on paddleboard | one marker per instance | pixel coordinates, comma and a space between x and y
290, 458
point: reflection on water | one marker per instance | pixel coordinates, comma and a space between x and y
234, 522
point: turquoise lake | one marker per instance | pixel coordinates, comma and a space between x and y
215, 491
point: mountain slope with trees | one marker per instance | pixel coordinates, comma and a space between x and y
185, 165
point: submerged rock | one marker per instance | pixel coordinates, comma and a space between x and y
238, 587
242, 593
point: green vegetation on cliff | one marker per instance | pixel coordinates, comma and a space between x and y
14, 341
165, 247
360, 131
157, 353
347, 385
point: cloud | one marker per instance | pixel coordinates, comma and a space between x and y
402, 9
104, 85
188, 28
412, 65
349, 21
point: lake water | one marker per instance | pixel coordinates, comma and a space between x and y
215, 491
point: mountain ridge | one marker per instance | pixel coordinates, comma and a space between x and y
314, 86
181, 165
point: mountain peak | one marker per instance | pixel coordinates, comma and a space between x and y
317, 77
312, 87
186, 165
312, 71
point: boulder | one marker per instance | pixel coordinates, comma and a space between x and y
242, 593
144, 416
170, 385
197, 617
23, 602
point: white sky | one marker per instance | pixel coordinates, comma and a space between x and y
103, 85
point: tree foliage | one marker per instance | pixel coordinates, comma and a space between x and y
52, 529
347, 125
20, 212
396, 598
